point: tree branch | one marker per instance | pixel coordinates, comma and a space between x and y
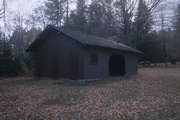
153, 4
1, 11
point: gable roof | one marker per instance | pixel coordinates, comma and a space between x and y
87, 40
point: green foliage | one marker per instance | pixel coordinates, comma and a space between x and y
14, 61
54, 11
28, 61
7, 64
13, 64
78, 18
149, 42
176, 35
96, 19
22, 38
101, 18
124, 11
143, 23
152, 49
18, 66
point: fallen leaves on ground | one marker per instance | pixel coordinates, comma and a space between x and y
127, 97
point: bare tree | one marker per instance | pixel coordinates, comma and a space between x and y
67, 11
1, 12
125, 12
54, 11
39, 16
176, 35
2, 9
143, 20
152, 4
3, 15
77, 19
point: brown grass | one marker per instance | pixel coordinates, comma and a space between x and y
138, 97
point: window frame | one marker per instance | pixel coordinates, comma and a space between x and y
94, 59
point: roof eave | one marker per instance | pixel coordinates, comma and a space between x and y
135, 51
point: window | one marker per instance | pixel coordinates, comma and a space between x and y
93, 59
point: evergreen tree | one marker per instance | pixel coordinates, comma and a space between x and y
39, 16
177, 20
152, 48
109, 25
101, 18
17, 40
176, 36
67, 10
78, 18
124, 12
7, 66
54, 11
143, 22
21, 39
10, 65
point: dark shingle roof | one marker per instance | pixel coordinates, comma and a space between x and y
90, 40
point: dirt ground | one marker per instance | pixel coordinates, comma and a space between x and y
154, 94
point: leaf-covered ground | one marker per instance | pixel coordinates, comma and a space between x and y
154, 94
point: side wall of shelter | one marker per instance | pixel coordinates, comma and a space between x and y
102, 68
131, 64
96, 71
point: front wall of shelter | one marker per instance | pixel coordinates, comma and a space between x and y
58, 57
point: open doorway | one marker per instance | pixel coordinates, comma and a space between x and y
116, 65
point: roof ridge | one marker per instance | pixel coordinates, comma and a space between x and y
87, 39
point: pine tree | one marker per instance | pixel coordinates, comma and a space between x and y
124, 11
101, 18
109, 25
78, 19
10, 65
54, 11
177, 20
18, 41
7, 66
95, 15
39, 16
143, 22
176, 36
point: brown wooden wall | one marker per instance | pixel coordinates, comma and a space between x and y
102, 68
59, 56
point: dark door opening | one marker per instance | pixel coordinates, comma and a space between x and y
116, 65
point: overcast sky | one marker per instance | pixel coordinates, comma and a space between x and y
26, 6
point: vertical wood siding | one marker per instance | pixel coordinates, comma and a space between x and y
102, 69
63, 46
